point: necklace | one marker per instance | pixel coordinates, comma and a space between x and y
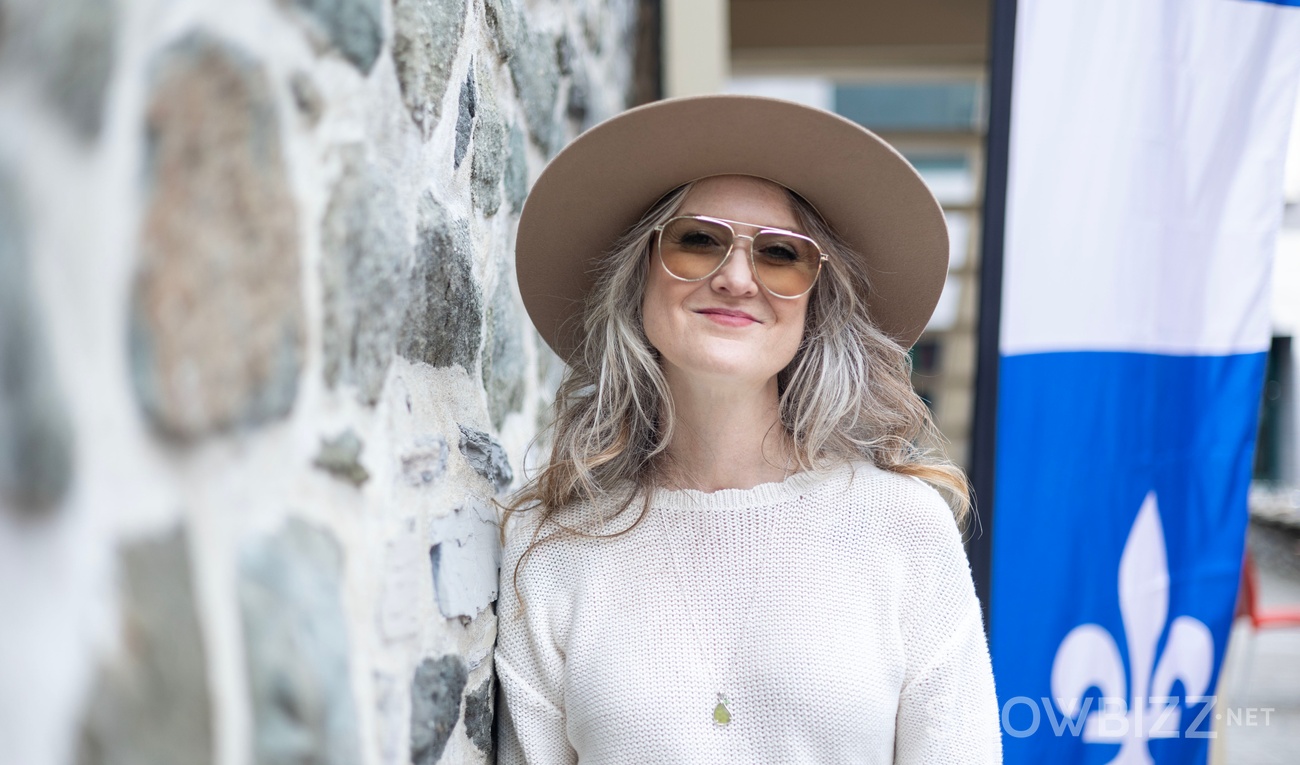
722, 712
721, 709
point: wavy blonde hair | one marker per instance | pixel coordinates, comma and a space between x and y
846, 395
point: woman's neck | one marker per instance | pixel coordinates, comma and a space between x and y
727, 435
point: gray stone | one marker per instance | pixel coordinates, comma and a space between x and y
307, 98
465, 117
354, 27
516, 172
296, 649
216, 322
435, 706
478, 717
465, 560
36, 450
486, 456
536, 74
71, 45
341, 457
503, 357
426, 461
505, 19
577, 105
425, 36
444, 322
488, 164
363, 273
593, 20
565, 54
150, 703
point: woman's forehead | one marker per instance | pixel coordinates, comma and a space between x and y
738, 196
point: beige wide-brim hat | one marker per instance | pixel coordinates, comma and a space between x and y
601, 184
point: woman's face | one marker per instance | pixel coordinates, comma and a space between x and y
726, 326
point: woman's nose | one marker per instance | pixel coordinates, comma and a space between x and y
736, 276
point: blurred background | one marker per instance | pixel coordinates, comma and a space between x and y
264, 368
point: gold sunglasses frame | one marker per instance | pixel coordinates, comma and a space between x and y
753, 267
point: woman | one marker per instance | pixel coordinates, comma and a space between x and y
734, 553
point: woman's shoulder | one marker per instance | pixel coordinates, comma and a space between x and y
906, 523
537, 562
563, 530
898, 505
891, 488
548, 556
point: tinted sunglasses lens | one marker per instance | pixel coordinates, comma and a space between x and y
691, 248
786, 264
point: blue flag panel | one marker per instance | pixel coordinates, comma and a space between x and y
1119, 475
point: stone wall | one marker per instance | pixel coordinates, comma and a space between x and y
264, 367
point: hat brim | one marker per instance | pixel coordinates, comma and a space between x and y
601, 184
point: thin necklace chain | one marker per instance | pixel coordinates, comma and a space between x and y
722, 712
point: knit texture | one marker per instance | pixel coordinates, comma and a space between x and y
835, 610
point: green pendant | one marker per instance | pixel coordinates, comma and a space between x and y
721, 715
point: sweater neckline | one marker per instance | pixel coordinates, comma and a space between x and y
762, 495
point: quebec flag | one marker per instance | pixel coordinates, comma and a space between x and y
1144, 194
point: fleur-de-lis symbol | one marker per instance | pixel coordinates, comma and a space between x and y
1135, 711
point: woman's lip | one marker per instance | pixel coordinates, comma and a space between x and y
728, 317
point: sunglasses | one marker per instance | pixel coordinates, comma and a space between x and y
695, 247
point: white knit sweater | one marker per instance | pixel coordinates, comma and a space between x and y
835, 611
